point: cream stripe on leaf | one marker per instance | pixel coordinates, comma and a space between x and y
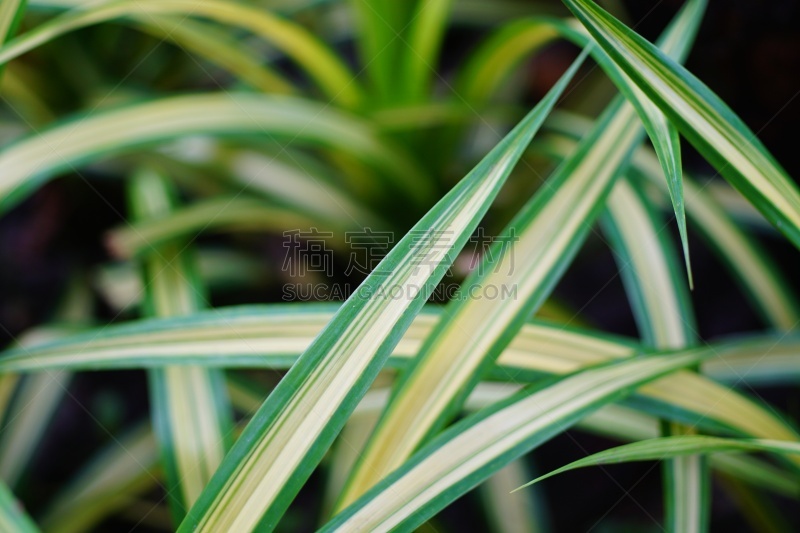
661, 304
472, 450
29, 161
191, 416
543, 238
450, 360
290, 433
497, 58
322, 65
273, 337
718, 134
740, 252
648, 268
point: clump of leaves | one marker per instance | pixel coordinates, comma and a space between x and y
403, 405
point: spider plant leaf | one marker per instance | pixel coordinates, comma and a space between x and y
548, 231
294, 427
502, 52
27, 162
647, 265
740, 252
121, 470
29, 416
191, 417
473, 449
750, 264
499, 56
666, 447
12, 515
274, 336
381, 43
217, 47
420, 55
216, 214
718, 134
540, 242
328, 71
10, 16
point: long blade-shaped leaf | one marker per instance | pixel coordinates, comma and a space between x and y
30, 414
189, 404
317, 59
647, 262
503, 51
273, 337
545, 236
290, 433
469, 452
419, 59
749, 263
221, 213
29, 161
701, 117
218, 47
381, 26
11, 13
448, 363
663, 448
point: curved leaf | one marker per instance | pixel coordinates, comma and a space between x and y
29, 161
701, 117
667, 447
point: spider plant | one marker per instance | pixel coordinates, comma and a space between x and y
380, 409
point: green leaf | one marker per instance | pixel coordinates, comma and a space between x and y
646, 262
469, 452
535, 249
12, 515
26, 163
420, 55
741, 254
381, 42
29, 416
273, 336
540, 242
218, 47
500, 55
666, 447
11, 12
297, 423
327, 70
189, 407
217, 214
719, 135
